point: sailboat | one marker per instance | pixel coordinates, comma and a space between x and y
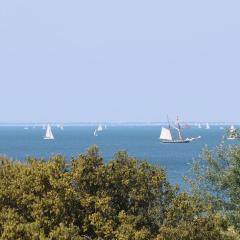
49, 134
207, 126
166, 135
232, 133
95, 133
99, 128
199, 125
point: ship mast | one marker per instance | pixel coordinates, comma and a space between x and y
179, 129
169, 126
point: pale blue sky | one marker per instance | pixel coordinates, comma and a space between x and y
127, 60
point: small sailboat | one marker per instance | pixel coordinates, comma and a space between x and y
49, 134
199, 125
99, 128
232, 133
207, 126
61, 127
95, 133
166, 135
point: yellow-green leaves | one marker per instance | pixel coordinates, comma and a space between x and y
124, 199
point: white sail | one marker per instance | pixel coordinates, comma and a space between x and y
232, 128
166, 134
49, 134
207, 126
199, 125
95, 133
99, 128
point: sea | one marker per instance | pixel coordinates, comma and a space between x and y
141, 142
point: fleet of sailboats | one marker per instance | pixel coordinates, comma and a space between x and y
99, 129
167, 134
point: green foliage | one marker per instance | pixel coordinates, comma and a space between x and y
125, 199
216, 180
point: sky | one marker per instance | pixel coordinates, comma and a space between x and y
119, 61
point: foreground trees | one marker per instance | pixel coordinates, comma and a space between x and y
87, 199
216, 181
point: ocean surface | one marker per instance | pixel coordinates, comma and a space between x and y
140, 141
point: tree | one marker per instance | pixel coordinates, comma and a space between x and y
124, 199
216, 180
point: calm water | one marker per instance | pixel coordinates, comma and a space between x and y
141, 142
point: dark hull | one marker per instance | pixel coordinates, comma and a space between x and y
176, 141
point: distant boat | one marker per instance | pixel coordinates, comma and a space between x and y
207, 126
166, 135
99, 128
232, 133
61, 127
199, 125
26, 128
95, 133
49, 134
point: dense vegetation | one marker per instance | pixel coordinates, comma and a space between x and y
89, 199
216, 181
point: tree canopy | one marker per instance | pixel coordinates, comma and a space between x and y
216, 180
124, 199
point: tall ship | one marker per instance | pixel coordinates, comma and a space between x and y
166, 135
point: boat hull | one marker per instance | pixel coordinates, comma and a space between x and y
176, 141
232, 138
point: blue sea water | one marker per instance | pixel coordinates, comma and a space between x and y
140, 141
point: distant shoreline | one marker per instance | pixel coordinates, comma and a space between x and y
76, 124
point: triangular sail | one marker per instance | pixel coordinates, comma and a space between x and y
49, 134
166, 134
99, 128
232, 128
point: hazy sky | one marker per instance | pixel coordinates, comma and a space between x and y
127, 60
